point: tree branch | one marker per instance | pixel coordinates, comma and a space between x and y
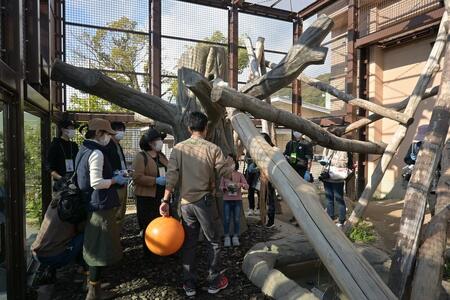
260, 109
98, 84
305, 52
373, 107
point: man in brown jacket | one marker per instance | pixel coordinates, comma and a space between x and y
193, 165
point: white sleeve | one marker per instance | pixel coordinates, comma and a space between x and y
96, 160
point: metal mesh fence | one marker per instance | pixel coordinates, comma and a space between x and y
377, 15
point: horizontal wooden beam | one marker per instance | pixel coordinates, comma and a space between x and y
419, 21
112, 117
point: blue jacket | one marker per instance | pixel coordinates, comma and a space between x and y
95, 199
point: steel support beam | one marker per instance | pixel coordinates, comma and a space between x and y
363, 87
32, 42
296, 84
351, 78
14, 155
421, 21
314, 8
155, 78
233, 46
248, 8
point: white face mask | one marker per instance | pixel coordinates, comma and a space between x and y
158, 145
70, 133
297, 134
105, 139
120, 135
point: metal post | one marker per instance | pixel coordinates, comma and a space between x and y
14, 156
296, 85
351, 77
155, 77
363, 87
233, 46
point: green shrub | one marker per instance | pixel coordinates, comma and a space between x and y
363, 232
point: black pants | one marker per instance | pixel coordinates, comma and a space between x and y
251, 198
147, 209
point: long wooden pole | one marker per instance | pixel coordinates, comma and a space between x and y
259, 109
391, 149
419, 186
354, 275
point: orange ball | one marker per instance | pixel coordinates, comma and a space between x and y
164, 236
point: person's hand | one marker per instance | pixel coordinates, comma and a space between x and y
161, 180
307, 176
120, 180
164, 209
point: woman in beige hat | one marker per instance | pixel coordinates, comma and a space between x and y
95, 179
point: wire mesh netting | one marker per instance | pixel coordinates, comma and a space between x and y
376, 15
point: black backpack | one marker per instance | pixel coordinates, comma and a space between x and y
70, 203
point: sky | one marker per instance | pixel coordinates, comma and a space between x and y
187, 20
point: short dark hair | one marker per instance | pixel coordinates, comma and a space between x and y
117, 125
90, 134
197, 121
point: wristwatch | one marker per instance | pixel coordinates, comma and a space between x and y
165, 201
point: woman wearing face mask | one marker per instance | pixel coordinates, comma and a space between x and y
95, 180
62, 152
149, 177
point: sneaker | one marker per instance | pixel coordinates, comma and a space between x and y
270, 224
256, 212
221, 283
235, 241
227, 242
250, 212
189, 290
339, 225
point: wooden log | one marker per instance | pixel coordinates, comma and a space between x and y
417, 94
397, 106
370, 106
354, 275
252, 59
98, 84
259, 109
419, 186
306, 51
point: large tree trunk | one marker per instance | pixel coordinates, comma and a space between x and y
391, 149
419, 186
351, 271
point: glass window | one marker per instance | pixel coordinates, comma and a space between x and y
33, 180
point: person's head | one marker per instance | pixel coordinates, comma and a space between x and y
67, 129
267, 138
198, 123
297, 135
152, 140
100, 130
236, 162
118, 127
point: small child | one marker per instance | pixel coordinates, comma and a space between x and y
232, 202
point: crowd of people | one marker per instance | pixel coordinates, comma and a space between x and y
100, 171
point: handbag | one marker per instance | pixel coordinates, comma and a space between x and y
333, 172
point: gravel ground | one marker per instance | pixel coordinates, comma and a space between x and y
138, 278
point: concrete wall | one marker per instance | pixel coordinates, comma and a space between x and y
393, 75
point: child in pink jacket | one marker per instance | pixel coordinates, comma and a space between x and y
232, 203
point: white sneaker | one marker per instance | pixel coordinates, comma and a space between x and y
256, 212
227, 242
250, 212
236, 241
339, 225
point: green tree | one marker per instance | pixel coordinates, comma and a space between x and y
313, 95
123, 53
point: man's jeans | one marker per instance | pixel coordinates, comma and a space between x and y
71, 253
334, 191
195, 216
